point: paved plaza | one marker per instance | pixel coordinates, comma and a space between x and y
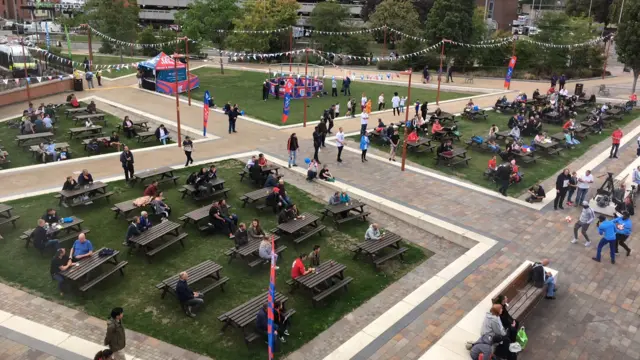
478, 238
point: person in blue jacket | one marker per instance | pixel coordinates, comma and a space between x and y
364, 146
606, 228
623, 230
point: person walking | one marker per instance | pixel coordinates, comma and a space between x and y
317, 141
562, 185
334, 87
395, 104
364, 146
340, 143
394, 141
623, 231
233, 116
607, 229
99, 77
450, 74
584, 182
292, 148
187, 146
126, 159
381, 103
364, 122
562, 81
349, 114
503, 175
115, 338
89, 77
616, 136
587, 216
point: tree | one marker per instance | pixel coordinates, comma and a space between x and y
203, 18
117, 19
397, 14
451, 19
599, 9
147, 36
330, 17
628, 40
262, 15
422, 7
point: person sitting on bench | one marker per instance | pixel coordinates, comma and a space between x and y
212, 174
540, 278
314, 256
85, 178
74, 102
60, 263
144, 221
283, 192
152, 189
190, 299
160, 207
445, 149
70, 184
492, 324
114, 141
272, 180
265, 251
219, 222
162, 134
255, 231
298, 269
224, 211
288, 213
373, 233
127, 126
241, 236
40, 238
262, 326
50, 217
256, 174
436, 128
82, 248
91, 108
275, 201
335, 199
202, 184
536, 193
279, 320
132, 231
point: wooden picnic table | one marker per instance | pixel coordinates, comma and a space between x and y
451, 160
256, 195
140, 124
550, 147
161, 174
37, 151
204, 270
444, 116
615, 113
146, 241
5, 215
244, 316
296, 226
123, 209
4, 208
502, 134
525, 157
217, 185
249, 252
23, 140
372, 248
341, 213
146, 136
422, 145
327, 279
82, 132
93, 117
94, 191
553, 117
71, 229
73, 111
79, 275
474, 114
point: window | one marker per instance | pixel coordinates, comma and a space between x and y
490, 10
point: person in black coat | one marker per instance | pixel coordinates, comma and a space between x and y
562, 186
233, 116
503, 174
423, 110
317, 141
126, 159
262, 326
322, 128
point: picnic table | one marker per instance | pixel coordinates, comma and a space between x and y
580, 105
327, 278
296, 226
423, 144
161, 174
80, 275
30, 139
123, 209
615, 113
5, 215
84, 195
218, 189
204, 270
525, 157
553, 117
444, 116
85, 132
550, 147
71, 231
474, 114
36, 151
148, 240
373, 248
255, 196
502, 134
341, 213
93, 117
146, 136
457, 156
265, 169
244, 316
74, 111
140, 124
249, 252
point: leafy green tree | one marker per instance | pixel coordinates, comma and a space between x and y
259, 16
330, 17
599, 9
203, 18
115, 18
397, 14
147, 36
421, 7
452, 20
168, 36
628, 39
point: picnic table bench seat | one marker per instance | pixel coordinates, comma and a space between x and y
354, 216
342, 284
194, 193
92, 117
98, 196
11, 219
206, 269
170, 241
260, 260
119, 267
523, 295
145, 136
141, 124
380, 260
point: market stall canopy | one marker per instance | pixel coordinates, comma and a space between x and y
162, 61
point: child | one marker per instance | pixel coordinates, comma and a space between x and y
402, 101
337, 112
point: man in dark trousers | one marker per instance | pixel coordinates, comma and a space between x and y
423, 110
562, 81
347, 87
190, 299
450, 74
126, 159
265, 90
322, 128
233, 116
317, 141
503, 174
562, 186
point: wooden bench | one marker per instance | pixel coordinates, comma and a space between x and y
459, 161
96, 196
342, 284
311, 232
250, 337
172, 240
111, 271
523, 296
380, 260
353, 217
11, 220
191, 190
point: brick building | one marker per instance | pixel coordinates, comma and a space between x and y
500, 12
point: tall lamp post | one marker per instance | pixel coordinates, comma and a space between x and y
406, 118
175, 69
26, 72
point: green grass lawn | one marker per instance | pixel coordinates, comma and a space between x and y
245, 88
20, 157
163, 319
545, 166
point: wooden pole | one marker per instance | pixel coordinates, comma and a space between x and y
26, 73
306, 63
90, 50
186, 50
175, 69
440, 74
604, 67
384, 46
290, 47
406, 118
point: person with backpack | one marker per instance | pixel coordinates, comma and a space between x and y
126, 159
540, 277
89, 77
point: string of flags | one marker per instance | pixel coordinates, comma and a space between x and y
570, 46
53, 57
363, 31
38, 79
136, 45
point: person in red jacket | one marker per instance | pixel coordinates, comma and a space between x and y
616, 136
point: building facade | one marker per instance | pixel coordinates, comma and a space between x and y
500, 13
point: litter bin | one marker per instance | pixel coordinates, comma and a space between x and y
578, 91
77, 85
